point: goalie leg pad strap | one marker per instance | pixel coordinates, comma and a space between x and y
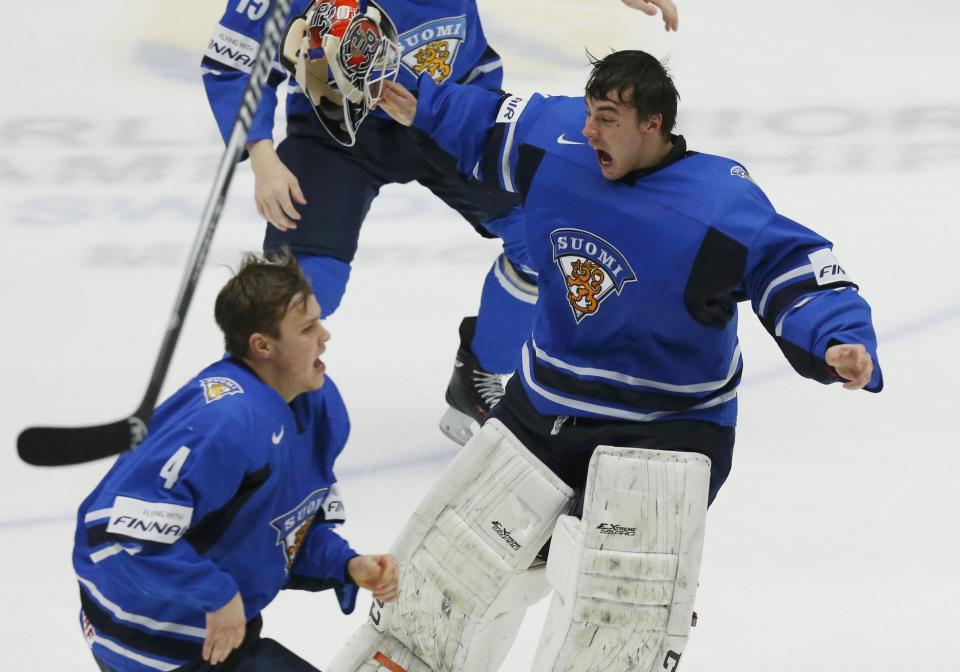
465, 552
625, 575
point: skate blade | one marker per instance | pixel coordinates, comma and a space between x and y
458, 426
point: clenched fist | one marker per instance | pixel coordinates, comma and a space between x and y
377, 573
852, 363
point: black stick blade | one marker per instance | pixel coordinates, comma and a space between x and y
59, 446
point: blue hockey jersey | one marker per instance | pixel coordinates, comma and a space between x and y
639, 278
233, 491
442, 38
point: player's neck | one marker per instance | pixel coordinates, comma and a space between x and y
654, 153
268, 374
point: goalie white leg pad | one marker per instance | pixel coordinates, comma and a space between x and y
369, 650
626, 573
464, 556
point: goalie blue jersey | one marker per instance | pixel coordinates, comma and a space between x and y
233, 491
639, 278
442, 38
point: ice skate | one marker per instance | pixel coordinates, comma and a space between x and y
471, 395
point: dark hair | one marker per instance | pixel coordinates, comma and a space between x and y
640, 80
257, 297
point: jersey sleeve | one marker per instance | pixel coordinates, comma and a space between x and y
322, 564
805, 298
228, 62
487, 73
483, 129
160, 508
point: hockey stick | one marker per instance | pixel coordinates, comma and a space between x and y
55, 446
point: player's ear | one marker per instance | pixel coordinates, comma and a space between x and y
260, 346
651, 125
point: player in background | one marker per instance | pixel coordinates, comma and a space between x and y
316, 187
624, 406
231, 498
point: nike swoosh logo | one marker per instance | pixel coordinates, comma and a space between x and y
563, 141
277, 438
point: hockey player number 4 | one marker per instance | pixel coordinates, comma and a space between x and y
171, 470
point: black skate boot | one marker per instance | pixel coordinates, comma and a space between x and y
472, 391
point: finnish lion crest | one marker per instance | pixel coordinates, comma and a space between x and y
432, 47
218, 387
434, 59
593, 269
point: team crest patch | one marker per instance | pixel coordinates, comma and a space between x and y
292, 526
218, 387
432, 47
592, 268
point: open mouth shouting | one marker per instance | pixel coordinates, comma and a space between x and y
604, 158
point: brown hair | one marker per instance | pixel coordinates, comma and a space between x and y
257, 298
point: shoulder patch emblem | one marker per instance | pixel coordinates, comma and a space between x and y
592, 269
740, 171
218, 387
432, 47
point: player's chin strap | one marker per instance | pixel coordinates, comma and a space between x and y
465, 558
625, 574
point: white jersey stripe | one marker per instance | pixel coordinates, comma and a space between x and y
132, 655
112, 550
505, 160
482, 69
99, 514
708, 386
776, 282
510, 287
779, 330
610, 411
145, 621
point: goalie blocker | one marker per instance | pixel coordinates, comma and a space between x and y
624, 575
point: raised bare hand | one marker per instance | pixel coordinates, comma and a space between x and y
650, 7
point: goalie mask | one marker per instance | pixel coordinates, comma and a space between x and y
341, 52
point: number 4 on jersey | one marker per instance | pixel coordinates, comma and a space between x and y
171, 470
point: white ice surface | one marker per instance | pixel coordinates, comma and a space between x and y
833, 545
